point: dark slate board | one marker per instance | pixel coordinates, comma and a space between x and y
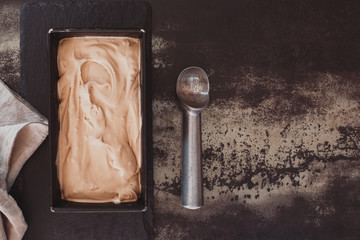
35, 21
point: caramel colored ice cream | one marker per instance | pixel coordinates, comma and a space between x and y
99, 151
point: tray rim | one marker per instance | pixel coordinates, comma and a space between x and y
101, 207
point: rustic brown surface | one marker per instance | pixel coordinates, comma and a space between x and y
281, 134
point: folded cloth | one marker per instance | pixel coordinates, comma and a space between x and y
22, 130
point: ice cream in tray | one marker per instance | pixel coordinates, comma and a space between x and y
99, 117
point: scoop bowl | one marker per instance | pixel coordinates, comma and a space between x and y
192, 88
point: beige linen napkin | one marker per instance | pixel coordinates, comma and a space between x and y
22, 130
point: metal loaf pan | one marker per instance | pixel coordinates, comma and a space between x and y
56, 203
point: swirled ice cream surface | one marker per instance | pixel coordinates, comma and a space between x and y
99, 147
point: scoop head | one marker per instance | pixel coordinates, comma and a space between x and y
192, 88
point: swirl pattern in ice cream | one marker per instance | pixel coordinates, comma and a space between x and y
99, 149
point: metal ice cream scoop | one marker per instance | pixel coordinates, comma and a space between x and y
192, 89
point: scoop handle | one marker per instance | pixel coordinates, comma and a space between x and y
192, 191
